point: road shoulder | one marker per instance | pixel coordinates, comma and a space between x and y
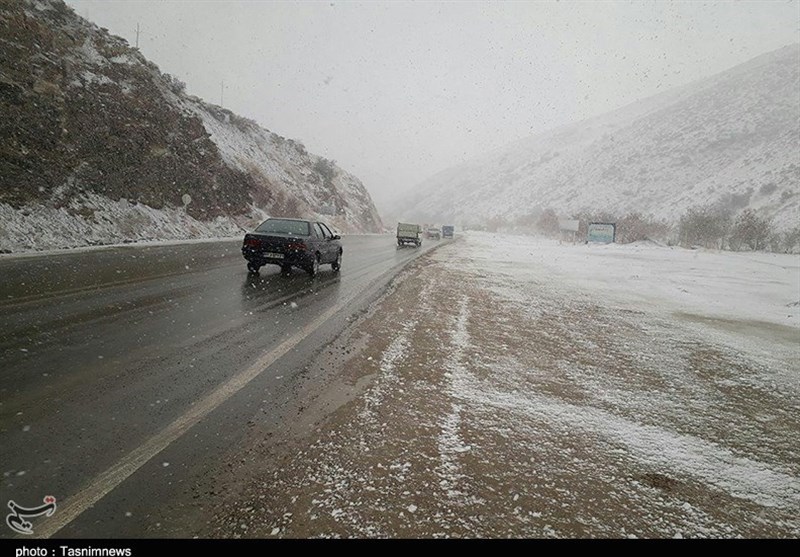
470, 403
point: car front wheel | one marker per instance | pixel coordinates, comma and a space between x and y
336, 265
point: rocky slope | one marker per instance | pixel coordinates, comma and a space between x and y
97, 145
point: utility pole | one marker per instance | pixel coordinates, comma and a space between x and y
221, 91
137, 35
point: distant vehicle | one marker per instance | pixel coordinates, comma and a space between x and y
434, 233
447, 231
409, 234
292, 243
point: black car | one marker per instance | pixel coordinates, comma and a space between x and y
292, 243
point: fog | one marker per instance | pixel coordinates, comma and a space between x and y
396, 92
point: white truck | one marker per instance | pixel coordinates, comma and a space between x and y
409, 234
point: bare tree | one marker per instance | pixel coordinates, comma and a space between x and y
791, 240
547, 223
751, 231
704, 226
635, 227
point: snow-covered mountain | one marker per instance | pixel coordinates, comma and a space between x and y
731, 140
97, 145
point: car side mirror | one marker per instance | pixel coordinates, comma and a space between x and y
336, 237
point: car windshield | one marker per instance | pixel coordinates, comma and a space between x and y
283, 226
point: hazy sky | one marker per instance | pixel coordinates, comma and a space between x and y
396, 91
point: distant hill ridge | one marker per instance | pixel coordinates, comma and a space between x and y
730, 140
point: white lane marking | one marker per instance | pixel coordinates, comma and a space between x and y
102, 484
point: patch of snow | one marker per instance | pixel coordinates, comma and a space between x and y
391, 358
43, 227
723, 284
655, 446
90, 55
95, 79
123, 59
449, 442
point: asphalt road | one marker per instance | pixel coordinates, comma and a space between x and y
125, 372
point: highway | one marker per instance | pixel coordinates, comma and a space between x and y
126, 371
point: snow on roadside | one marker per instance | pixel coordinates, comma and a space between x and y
388, 380
654, 446
98, 220
737, 285
337, 480
450, 443
646, 385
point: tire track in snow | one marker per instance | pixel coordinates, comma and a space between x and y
391, 358
450, 444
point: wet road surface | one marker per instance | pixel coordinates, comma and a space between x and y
125, 372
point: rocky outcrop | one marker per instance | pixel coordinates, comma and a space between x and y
89, 123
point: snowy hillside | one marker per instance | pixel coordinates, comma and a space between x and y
730, 140
98, 146
283, 169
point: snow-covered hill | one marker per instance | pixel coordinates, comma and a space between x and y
731, 140
98, 146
